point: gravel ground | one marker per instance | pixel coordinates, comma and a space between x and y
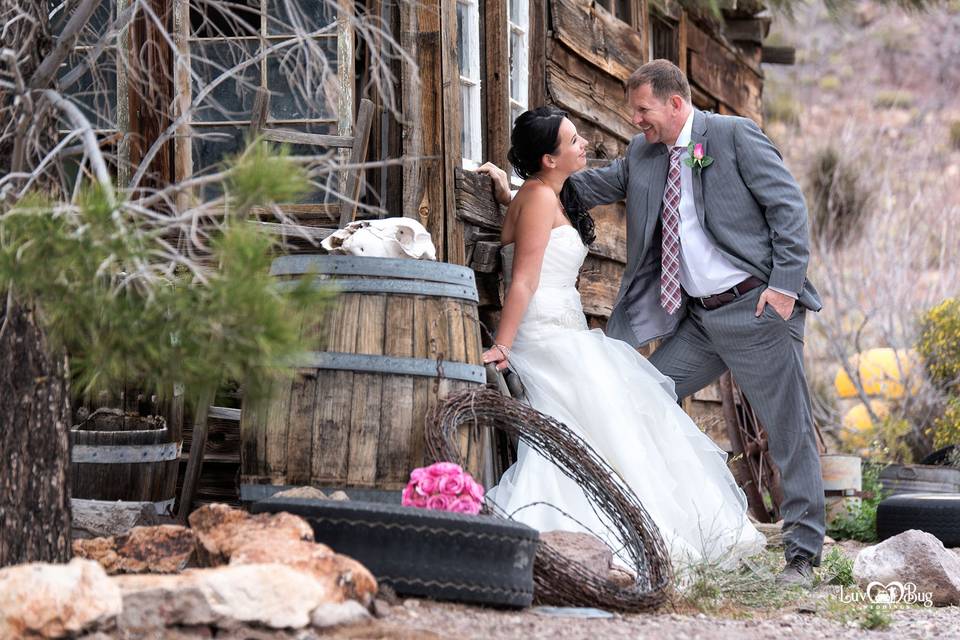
426, 620
817, 615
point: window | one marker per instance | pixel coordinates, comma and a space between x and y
243, 36
468, 55
621, 9
664, 40
518, 21
97, 89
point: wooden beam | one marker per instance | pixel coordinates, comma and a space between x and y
595, 35
455, 252
496, 85
537, 92
423, 195
750, 30
723, 74
596, 97
778, 55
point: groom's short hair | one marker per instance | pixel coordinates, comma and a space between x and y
664, 77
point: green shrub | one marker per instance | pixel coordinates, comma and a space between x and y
893, 100
838, 198
780, 106
860, 522
875, 616
955, 134
946, 428
837, 568
829, 82
939, 343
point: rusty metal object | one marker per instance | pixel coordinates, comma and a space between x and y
753, 465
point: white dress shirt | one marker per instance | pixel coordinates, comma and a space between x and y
704, 271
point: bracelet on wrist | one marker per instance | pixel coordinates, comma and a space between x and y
504, 350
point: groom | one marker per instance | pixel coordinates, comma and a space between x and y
717, 251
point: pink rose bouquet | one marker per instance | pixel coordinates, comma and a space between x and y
443, 486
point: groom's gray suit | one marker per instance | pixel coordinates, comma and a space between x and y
752, 210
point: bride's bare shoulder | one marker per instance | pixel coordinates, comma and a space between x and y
531, 209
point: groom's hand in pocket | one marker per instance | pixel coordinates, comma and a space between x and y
781, 303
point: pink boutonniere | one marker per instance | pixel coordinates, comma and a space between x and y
696, 158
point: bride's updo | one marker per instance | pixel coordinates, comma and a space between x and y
535, 133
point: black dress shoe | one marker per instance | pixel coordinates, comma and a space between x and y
797, 573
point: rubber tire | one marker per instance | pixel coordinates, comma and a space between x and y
940, 456
935, 513
433, 554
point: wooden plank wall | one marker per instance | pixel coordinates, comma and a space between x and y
590, 55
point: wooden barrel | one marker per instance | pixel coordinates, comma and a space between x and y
131, 459
401, 335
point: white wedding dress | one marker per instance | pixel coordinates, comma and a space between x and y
626, 410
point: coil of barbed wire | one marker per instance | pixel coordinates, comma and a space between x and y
559, 580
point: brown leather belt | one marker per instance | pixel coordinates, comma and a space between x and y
717, 300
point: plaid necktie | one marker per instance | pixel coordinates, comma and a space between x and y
670, 255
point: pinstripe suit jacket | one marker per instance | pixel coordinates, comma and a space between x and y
748, 203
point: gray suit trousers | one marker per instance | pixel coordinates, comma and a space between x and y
765, 356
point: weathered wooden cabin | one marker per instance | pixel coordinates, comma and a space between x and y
480, 64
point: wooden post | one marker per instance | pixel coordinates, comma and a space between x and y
497, 82
198, 443
423, 111
450, 73
537, 92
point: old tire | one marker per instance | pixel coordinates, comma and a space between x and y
935, 513
443, 556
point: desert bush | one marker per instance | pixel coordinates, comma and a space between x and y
893, 100
837, 196
779, 105
860, 522
829, 82
946, 428
836, 568
955, 134
939, 343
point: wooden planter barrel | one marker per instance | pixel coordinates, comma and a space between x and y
401, 335
131, 459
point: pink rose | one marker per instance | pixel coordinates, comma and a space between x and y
417, 474
438, 469
453, 484
411, 498
439, 502
698, 151
427, 484
465, 504
475, 490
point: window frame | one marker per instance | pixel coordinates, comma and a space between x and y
471, 86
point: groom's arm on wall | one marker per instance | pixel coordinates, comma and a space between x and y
771, 183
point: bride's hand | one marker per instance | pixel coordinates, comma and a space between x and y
501, 183
497, 355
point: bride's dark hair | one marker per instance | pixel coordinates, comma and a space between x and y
535, 133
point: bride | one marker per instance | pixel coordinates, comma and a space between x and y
597, 386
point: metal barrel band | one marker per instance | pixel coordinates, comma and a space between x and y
124, 453
393, 286
361, 266
391, 364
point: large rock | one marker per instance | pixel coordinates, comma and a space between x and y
268, 595
912, 557
56, 600
221, 530
161, 549
583, 548
345, 578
